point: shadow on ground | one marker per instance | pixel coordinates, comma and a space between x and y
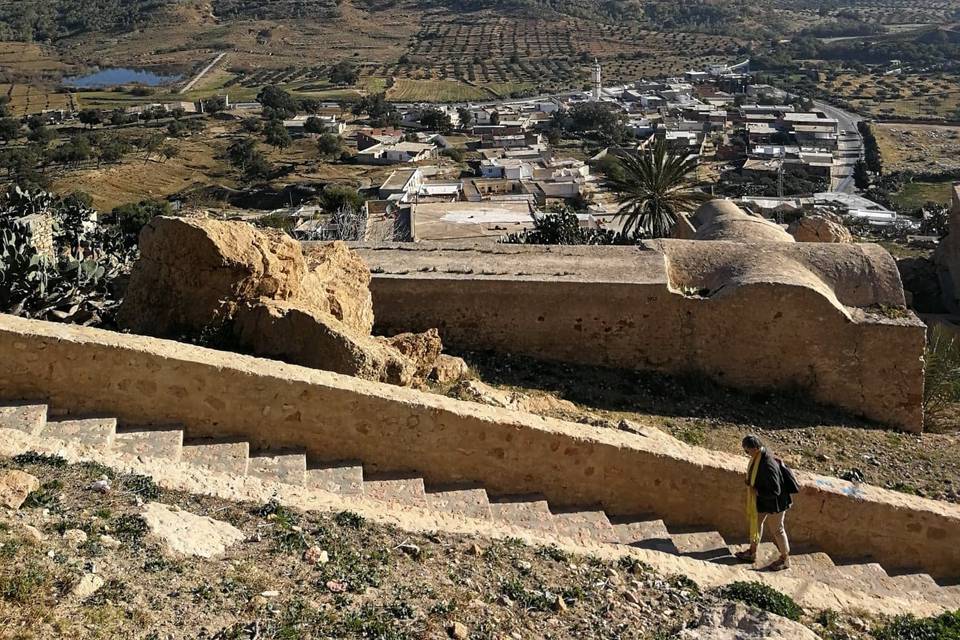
658, 394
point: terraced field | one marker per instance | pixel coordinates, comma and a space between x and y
911, 95
27, 98
22, 59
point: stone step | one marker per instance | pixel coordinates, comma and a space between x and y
815, 560
467, 501
802, 563
867, 569
289, 468
952, 591
583, 525
920, 582
703, 545
92, 432
528, 511
404, 488
217, 455
921, 585
344, 478
23, 417
166, 444
643, 532
867, 577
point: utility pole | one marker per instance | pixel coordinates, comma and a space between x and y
783, 153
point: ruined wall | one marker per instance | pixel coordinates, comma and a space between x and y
947, 258
823, 318
144, 380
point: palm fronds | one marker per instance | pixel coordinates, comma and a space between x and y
652, 188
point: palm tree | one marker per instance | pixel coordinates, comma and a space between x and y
652, 188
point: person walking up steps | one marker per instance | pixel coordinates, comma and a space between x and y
769, 485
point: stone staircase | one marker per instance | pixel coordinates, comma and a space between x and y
583, 527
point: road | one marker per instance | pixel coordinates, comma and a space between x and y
849, 146
202, 73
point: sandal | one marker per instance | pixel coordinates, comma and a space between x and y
778, 565
745, 556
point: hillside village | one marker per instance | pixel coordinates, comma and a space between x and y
492, 168
400, 320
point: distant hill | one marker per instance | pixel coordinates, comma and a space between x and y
694, 15
52, 20
49, 20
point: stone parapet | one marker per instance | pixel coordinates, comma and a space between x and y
827, 319
274, 406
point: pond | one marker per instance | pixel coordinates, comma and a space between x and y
114, 77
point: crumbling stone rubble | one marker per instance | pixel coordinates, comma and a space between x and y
227, 282
819, 228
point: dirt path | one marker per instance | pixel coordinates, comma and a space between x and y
187, 87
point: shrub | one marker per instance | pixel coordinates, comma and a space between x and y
757, 594
563, 227
32, 457
942, 375
453, 153
943, 627
130, 218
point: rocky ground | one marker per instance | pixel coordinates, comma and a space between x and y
87, 553
806, 435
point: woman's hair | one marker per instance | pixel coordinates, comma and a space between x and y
752, 442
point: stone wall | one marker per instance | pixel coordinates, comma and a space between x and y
40, 226
827, 319
144, 380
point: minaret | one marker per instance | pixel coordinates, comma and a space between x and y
597, 86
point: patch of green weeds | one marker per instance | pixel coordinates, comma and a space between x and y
442, 608
288, 536
551, 552
96, 470
356, 570
892, 312
349, 519
203, 592
129, 528
832, 628
693, 435
140, 485
32, 457
113, 590
905, 487
401, 610
65, 524
369, 622
943, 627
159, 564
530, 599
757, 594
46, 497
24, 583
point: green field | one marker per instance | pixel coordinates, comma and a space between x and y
504, 89
916, 194
435, 91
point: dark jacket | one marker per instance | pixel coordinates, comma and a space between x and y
772, 496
